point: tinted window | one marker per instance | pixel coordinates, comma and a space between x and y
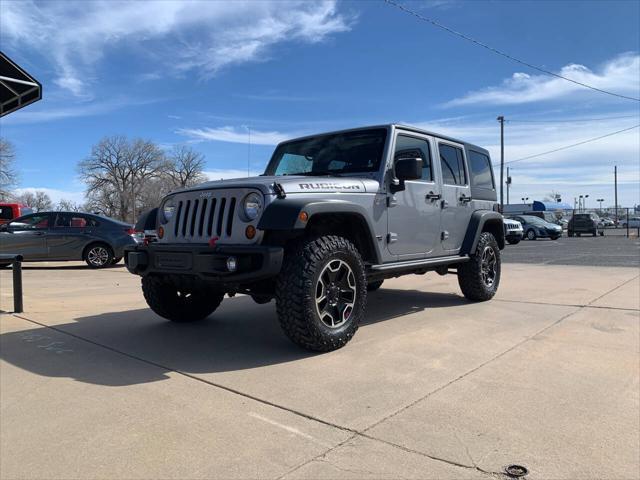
31, 222
73, 220
6, 213
357, 151
481, 170
452, 165
411, 147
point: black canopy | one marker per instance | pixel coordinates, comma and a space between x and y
17, 88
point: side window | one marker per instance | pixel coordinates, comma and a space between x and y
31, 222
480, 166
411, 147
452, 165
71, 220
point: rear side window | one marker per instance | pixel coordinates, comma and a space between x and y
480, 166
412, 147
6, 213
452, 165
71, 220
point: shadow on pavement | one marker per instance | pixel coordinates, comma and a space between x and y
240, 335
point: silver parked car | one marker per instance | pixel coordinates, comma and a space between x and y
53, 236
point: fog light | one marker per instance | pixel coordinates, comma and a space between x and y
232, 264
250, 232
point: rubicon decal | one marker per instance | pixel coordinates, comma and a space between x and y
323, 186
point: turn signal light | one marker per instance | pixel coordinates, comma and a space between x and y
303, 216
250, 231
160, 231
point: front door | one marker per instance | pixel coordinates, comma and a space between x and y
456, 195
26, 236
68, 236
414, 213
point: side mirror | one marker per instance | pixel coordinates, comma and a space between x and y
406, 169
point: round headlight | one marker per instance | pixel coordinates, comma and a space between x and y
167, 210
252, 206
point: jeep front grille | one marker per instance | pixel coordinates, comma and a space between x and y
206, 217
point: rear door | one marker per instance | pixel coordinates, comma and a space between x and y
69, 235
456, 195
26, 236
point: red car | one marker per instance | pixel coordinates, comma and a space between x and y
9, 211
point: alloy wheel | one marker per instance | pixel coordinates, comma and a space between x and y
489, 266
335, 293
98, 256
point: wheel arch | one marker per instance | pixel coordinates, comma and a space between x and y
483, 221
335, 217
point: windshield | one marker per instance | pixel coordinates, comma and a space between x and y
333, 154
534, 220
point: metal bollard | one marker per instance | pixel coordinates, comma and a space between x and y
17, 286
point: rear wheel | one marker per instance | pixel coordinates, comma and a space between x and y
180, 304
480, 276
98, 255
373, 286
321, 293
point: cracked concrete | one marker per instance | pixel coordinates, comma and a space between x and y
92, 384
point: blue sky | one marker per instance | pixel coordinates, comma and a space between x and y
205, 72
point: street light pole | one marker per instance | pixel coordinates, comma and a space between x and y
501, 120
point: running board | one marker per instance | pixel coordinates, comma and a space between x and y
417, 264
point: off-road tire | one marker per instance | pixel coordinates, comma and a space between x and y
98, 260
182, 306
373, 286
470, 276
296, 290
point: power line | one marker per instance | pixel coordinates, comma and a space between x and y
572, 145
575, 120
499, 52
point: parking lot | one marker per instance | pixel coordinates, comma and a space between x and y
546, 375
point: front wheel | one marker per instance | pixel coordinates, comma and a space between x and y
180, 304
321, 293
531, 234
480, 276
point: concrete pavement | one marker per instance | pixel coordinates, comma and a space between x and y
94, 385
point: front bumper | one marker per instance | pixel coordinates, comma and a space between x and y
253, 262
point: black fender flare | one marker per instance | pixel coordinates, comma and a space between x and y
284, 215
478, 220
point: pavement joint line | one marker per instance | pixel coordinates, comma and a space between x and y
612, 290
473, 370
586, 305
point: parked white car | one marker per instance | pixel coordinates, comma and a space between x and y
634, 222
513, 231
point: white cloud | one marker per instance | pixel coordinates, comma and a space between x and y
55, 194
235, 135
620, 75
181, 35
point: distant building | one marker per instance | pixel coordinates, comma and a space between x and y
536, 206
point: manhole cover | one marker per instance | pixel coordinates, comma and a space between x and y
516, 471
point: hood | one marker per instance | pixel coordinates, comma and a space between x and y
294, 184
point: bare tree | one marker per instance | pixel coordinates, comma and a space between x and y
8, 174
39, 200
184, 167
65, 205
115, 172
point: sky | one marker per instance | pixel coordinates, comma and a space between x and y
211, 73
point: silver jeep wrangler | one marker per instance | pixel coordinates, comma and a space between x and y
331, 218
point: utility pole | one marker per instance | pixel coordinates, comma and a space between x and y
501, 120
615, 188
508, 185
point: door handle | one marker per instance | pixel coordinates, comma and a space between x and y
432, 196
464, 198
